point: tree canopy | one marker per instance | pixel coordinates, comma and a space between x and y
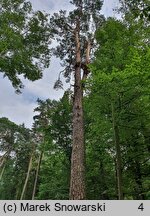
94, 142
24, 41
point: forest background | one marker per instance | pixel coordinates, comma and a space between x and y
36, 163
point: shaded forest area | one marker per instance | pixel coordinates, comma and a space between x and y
94, 142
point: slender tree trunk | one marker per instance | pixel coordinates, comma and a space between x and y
146, 133
104, 194
37, 173
2, 172
118, 155
27, 177
17, 195
4, 157
77, 182
138, 180
136, 170
3, 162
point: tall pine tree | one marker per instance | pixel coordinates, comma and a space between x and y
74, 33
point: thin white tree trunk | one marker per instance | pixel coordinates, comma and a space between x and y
2, 172
37, 173
27, 177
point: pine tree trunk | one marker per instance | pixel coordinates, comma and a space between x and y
27, 177
118, 155
37, 173
77, 182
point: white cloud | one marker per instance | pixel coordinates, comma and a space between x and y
20, 112
109, 6
43, 88
15, 107
19, 108
51, 6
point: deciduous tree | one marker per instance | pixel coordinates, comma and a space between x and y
24, 42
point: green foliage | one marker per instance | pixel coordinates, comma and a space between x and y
140, 8
121, 76
61, 127
24, 44
54, 176
54, 121
15, 148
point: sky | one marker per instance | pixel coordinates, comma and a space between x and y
19, 108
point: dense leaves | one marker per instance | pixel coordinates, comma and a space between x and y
140, 8
119, 89
36, 163
24, 41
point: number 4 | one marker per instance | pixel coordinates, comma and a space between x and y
141, 207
